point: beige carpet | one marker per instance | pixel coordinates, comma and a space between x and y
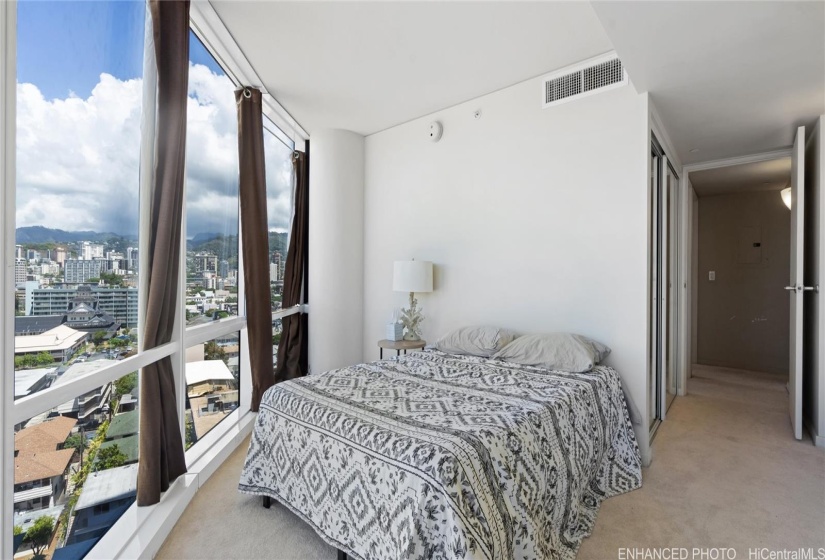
726, 472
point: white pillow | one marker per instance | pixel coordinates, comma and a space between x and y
481, 341
557, 351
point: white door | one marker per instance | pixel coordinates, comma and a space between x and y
795, 289
664, 289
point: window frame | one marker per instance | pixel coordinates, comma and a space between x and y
140, 531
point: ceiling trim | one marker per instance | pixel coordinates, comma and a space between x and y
739, 160
210, 29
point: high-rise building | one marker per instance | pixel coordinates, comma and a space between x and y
132, 258
79, 270
206, 262
89, 251
60, 255
19, 252
223, 271
20, 270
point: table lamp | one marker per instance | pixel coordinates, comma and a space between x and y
412, 276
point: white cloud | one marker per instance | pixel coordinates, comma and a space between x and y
78, 159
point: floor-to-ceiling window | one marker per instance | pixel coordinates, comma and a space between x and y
77, 227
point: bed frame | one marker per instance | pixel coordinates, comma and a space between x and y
267, 503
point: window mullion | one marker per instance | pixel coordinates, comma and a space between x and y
8, 90
54, 396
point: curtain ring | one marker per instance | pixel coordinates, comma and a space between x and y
247, 92
295, 155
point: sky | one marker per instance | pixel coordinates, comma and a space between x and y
79, 99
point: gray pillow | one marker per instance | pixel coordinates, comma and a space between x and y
481, 341
557, 351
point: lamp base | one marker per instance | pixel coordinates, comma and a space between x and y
411, 319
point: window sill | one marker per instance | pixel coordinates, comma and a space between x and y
140, 532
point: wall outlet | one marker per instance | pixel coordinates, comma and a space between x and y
712, 276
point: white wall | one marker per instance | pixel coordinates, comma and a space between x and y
536, 219
336, 249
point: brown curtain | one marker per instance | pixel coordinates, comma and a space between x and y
255, 234
161, 447
292, 351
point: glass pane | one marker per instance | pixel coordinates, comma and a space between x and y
211, 191
212, 384
75, 468
79, 100
279, 195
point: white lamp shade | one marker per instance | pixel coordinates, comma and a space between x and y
786, 196
412, 276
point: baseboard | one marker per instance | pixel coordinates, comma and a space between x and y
818, 440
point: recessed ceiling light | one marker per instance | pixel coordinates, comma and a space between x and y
694, 150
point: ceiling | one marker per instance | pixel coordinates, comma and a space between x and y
727, 78
772, 175
368, 66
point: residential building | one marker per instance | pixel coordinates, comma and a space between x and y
105, 496
205, 262
92, 407
76, 271
41, 463
20, 270
89, 251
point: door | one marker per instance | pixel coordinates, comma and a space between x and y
795, 289
664, 273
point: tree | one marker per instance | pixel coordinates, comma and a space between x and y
276, 339
44, 359
98, 337
40, 533
78, 443
126, 383
110, 458
211, 351
18, 530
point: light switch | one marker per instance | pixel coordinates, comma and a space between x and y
712, 275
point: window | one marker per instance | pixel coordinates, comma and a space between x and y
280, 205
211, 190
79, 239
212, 379
79, 103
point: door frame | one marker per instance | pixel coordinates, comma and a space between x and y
690, 276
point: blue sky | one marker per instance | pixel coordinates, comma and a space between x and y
110, 34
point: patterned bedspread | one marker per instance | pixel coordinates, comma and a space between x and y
432, 455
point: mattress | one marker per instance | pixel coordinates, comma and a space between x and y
432, 455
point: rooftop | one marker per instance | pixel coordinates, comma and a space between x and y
123, 424
109, 485
58, 338
80, 369
44, 437
207, 370
41, 465
25, 379
129, 446
35, 324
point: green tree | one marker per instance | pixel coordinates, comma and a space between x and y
98, 337
276, 339
117, 343
78, 443
18, 530
126, 383
44, 359
211, 351
111, 278
110, 458
40, 533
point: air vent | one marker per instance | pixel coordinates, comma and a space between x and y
588, 77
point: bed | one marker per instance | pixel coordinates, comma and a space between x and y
434, 455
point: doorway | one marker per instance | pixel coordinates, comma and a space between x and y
742, 267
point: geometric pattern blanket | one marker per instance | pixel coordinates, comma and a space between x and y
433, 455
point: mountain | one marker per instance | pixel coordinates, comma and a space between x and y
40, 234
203, 238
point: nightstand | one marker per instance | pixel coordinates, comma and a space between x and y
399, 345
